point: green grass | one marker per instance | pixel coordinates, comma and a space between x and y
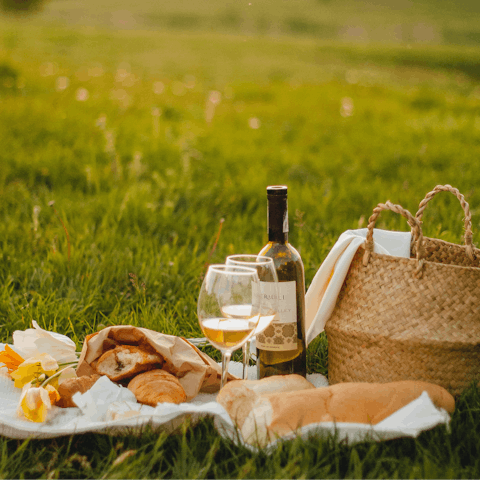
141, 181
198, 452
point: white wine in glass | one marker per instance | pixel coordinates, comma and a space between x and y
223, 286
226, 332
269, 292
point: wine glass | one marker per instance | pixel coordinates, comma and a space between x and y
269, 290
228, 288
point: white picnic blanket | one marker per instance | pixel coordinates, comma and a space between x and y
323, 292
110, 399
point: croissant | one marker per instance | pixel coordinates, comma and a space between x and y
125, 361
69, 387
156, 386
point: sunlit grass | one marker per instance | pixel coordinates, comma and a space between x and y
145, 141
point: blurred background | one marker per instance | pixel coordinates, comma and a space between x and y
262, 24
137, 138
392, 21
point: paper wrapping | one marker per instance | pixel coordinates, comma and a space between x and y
195, 370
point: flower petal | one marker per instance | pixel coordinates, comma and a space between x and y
48, 363
33, 367
67, 373
26, 373
52, 394
34, 404
10, 358
37, 340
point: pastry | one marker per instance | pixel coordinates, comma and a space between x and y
125, 361
156, 386
70, 386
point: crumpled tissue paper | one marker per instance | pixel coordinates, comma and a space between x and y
94, 403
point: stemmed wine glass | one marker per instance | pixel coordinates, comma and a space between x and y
229, 288
269, 291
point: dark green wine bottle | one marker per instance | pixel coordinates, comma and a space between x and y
281, 348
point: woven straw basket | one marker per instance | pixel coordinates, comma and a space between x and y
414, 318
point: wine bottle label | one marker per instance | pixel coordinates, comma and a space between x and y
281, 334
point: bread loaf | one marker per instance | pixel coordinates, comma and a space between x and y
71, 386
125, 361
276, 414
239, 396
156, 386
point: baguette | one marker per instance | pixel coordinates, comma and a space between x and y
238, 397
156, 386
276, 414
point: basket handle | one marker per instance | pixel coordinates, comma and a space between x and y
466, 208
412, 221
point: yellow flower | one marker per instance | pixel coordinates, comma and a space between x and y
32, 368
36, 402
52, 394
10, 358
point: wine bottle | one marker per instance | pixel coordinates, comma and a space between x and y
281, 348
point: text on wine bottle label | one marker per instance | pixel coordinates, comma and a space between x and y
281, 335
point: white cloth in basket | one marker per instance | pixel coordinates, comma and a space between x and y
325, 287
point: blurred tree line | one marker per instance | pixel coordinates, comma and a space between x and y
21, 6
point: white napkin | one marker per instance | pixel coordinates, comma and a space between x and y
94, 403
420, 414
121, 410
325, 287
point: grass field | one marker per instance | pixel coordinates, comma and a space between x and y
127, 135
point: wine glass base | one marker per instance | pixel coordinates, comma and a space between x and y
236, 368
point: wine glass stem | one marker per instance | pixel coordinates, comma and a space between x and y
225, 360
246, 355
